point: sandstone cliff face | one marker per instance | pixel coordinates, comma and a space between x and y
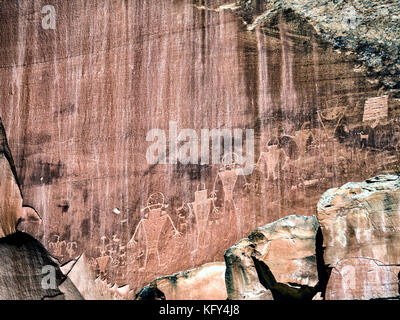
78, 101
360, 223
25, 263
11, 199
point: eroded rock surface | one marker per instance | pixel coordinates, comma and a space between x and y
80, 273
10, 193
281, 256
13, 215
21, 271
241, 276
363, 279
204, 283
78, 101
360, 223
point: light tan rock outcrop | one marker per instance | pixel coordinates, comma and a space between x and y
92, 288
363, 279
241, 276
274, 259
204, 283
360, 223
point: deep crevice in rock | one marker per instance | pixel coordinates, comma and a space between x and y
150, 292
323, 270
281, 291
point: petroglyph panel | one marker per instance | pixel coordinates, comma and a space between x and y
376, 109
77, 103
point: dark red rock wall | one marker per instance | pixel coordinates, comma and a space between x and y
78, 101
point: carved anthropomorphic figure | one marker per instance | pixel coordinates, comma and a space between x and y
201, 208
152, 224
104, 258
269, 160
229, 175
71, 248
57, 247
229, 183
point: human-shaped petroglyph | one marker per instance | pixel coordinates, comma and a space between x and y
182, 224
152, 225
363, 139
268, 162
201, 208
57, 247
104, 258
116, 251
228, 175
71, 248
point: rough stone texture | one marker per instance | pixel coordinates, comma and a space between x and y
13, 215
78, 101
204, 283
368, 27
285, 249
10, 194
363, 279
22, 260
80, 273
241, 276
360, 223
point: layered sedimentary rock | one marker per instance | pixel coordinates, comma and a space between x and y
204, 283
277, 261
360, 224
80, 99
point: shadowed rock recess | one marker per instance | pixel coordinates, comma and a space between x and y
317, 81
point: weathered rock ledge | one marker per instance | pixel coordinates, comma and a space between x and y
348, 251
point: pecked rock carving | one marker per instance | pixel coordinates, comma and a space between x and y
78, 101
